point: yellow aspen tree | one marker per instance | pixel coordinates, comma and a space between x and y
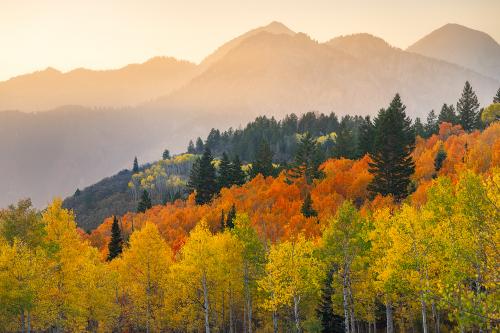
144, 269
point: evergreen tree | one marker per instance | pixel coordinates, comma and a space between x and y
431, 126
115, 245
394, 142
231, 215
307, 159
144, 203
200, 147
439, 160
366, 135
203, 178
238, 176
345, 144
418, 128
191, 149
224, 178
307, 207
467, 108
448, 114
166, 154
330, 322
135, 167
496, 98
263, 163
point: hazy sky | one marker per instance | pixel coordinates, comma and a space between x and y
100, 34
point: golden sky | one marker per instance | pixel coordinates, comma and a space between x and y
102, 34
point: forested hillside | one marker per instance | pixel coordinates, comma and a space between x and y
402, 236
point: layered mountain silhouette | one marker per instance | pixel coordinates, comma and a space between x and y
463, 46
268, 71
127, 86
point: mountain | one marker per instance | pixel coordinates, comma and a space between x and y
460, 45
268, 71
276, 74
128, 86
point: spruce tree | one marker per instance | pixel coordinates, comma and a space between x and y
345, 144
308, 158
115, 245
394, 142
224, 178
468, 108
330, 322
191, 149
418, 128
200, 147
144, 203
439, 160
366, 134
431, 126
496, 98
135, 167
203, 178
448, 114
231, 216
263, 163
238, 176
166, 154
222, 221
307, 207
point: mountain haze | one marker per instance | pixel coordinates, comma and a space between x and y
463, 46
269, 71
124, 87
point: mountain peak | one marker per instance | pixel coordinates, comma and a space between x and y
463, 46
360, 44
276, 27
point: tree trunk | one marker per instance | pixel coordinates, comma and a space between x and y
275, 322
296, 300
388, 314
231, 324
346, 305
435, 314
205, 304
424, 315
28, 329
248, 296
23, 321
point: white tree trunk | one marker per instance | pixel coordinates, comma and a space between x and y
206, 304
346, 305
424, 315
389, 317
296, 301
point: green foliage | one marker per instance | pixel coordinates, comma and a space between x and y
307, 207
238, 176
166, 154
231, 215
439, 160
394, 142
191, 149
496, 98
224, 174
431, 125
366, 136
202, 178
308, 158
135, 167
491, 113
21, 222
467, 108
419, 128
144, 203
263, 163
448, 114
115, 245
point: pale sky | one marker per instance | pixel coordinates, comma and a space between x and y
102, 34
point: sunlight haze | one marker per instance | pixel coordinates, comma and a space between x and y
110, 34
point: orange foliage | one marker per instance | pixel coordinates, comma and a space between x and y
274, 205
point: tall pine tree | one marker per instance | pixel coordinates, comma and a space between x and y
238, 176
468, 109
308, 158
135, 167
330, 322
432, 125
231, 216
144, 203
224, 178
191, 149
366, 135
307, 207
263, 163
115, 245
202, 179
419, 128
496, 98
448, 114
166, 154
394, 142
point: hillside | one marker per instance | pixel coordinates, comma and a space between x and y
268, 71
125, 87
463, 46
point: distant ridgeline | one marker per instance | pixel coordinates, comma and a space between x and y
275, 140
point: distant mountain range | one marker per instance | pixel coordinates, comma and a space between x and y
142, 109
